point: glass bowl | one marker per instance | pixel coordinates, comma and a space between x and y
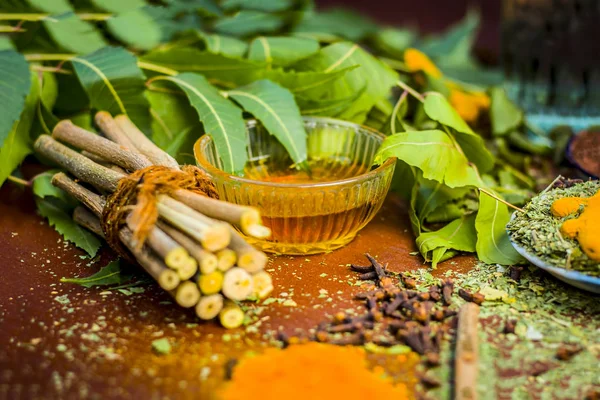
313, 213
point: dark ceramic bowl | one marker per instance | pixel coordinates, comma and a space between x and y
569, 154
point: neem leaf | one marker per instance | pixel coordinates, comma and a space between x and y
432, 194
339, 22
222, 120
15, 81
245, 23
43, 187
493, 244
72, 34
326, 108
45, 118
217, 68
458, 235
59, 217
175, 124
393, 41
434, 153
112, 274
377, 77
276, 108
221, 44
51, 6
281, 50
146, 34
440, 110
17, 144
311, 85
118, 6
114, 83
258, 5
505, 115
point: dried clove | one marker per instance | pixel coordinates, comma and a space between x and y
540, 367
426, 339
322, 336
394, 304
429, 382
371, 303
229, 367
377, 266
361, 269
568, 351
368, 276
510, 326
432, 359
424, 296
412, 339
447, 289
435, 293
515, 273
378, 294
409, 282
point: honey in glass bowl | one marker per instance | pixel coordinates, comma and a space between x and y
309, 210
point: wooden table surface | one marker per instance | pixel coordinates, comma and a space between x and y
60, 340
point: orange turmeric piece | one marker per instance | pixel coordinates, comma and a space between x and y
418, 61
469, 105
585, 228
309, 371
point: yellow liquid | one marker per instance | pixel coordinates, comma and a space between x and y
320, 218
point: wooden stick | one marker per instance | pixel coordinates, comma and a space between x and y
467, 353
95, 158
80, 166
111, 130
243, 217
212, 235
90, 199
248, 257
207, 261
174, 255
166, 277
188, 269
67, 132
210, 283
144, 145
186, 294
226, 259
88, 220
237, 284
209, 306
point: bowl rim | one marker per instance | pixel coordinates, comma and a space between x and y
571, 158
203, 163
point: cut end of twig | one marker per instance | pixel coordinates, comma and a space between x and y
208, 264
209, 306
188, 269
262, 284
211, 283
187, 294
250, 217
226, 259
231, 316
252, 261
258, 231
237, 284
176, 258
216, 237
168, 279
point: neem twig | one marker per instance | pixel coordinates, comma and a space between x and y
467, 353
111, 130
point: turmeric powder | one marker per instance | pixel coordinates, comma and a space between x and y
310, 371
586, 227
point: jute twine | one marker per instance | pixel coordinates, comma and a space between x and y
136, 197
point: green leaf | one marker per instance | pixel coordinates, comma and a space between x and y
15, 81
458, 235
217, 68
46, 120
258, 5
114, 83
174, 19
58, 216
377, 77
72, 98
493, 244
440, 110
222, 120
43, 187
228, 46
6, 44
276, 108
311, 85
434, 153
175, 124
339, 22
326, 108
393, 41
112, 274
432, 195
246, 23
453, 48
136, 28
17, 144
51, 6
74, 35
503, 112
118, 6
281, 50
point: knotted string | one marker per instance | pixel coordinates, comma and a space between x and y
136, 197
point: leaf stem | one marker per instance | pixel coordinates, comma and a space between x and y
493, 196
396, 109
18, 181
412, 91
48, 17
157, 68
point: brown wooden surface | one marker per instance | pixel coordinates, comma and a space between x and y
99, 344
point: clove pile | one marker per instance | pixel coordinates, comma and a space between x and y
191, 246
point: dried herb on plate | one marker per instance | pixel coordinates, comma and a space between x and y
538, 231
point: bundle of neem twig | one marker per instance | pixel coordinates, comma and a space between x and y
190, 248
